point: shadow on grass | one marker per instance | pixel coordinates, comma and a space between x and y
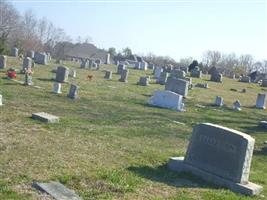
262, 152
163, 175
46, 79
254, 129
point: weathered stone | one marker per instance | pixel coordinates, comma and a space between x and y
219, 155
177, 85
216, 77
62, 74
30, 54
14, 52
27, 64
144, 81
261, 101
163, 78
45, 117
57, 88
57, 191
218, 101
73, 92
157, 72
177, 73
237, 105
202, 85
107, 59
196, 73
124, 75
73, 73
167, 99
3, 61
108, 75
120, 68
40, 58
245, 79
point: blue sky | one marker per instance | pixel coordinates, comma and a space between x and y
174, 28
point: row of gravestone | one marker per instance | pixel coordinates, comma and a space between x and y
260, 102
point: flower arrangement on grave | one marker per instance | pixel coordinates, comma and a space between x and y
11, 73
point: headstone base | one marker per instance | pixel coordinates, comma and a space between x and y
177, 164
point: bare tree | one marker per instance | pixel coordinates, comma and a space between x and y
211, 58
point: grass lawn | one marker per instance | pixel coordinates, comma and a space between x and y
109, 143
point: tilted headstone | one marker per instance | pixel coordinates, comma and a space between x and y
108, 75
157, 72
220, 155
73, 92
261, 101
14, 52
45, 117
40, 58
177, 85
30, 54
144, 81
218, 101
245, 79
163, 78
264, 83
3, 61
62, 74
107, 59
57, 88
167, 99
27, 64
120, 68
237, 105
216, 77
124, 75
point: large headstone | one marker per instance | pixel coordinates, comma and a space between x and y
45, 117
219, 155
107, 59
120, 68
124, 75
108, 75
3, 61
163, 78
27, 64
167, 99
177, 85
216, 77
245, 79
14, 52
157, 72
261, 101
73, 92
218, 101
144, 81
62, 74
40, 58
57, 88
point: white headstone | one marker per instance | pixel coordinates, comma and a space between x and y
1, 100
237, 105
57, 88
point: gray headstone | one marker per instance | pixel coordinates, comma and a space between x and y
108, 75
157, 72
219, 155
45, 117
144, 81
124, 75
196, 73
27, 64
57, 88
120, 68
261, 101
73, 92
177, 73
40, 58
245, 79
30, 54
264, 83
216, 77
177, 85
3, 61
107, 59
218, 101
62, 74
84, 64
167, 99
202, 85
163, 78
57, 191
237, 105
14, 52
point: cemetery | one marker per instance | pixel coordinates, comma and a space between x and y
108, 131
